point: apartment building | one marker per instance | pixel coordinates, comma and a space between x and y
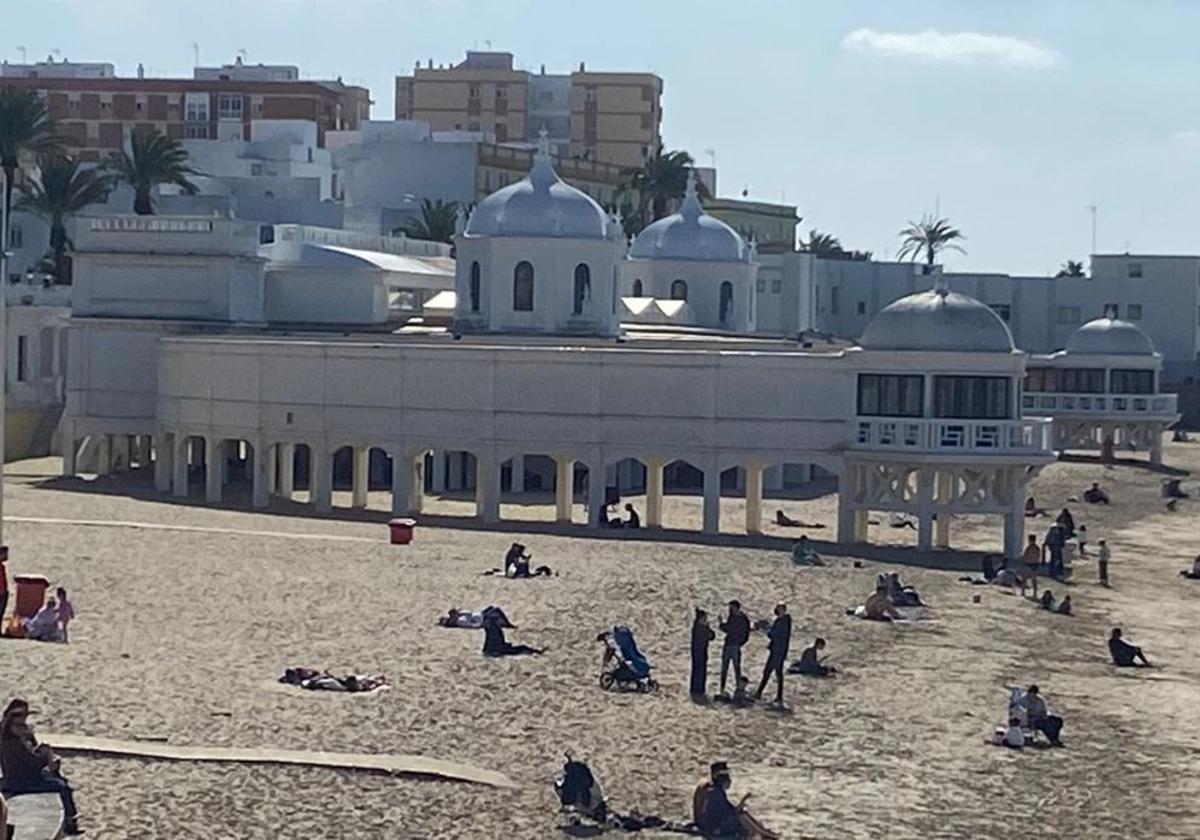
609, 117
94, 113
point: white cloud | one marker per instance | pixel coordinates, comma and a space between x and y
954, 47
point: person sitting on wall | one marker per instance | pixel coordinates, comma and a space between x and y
1095, 496
634, 521
1125, 655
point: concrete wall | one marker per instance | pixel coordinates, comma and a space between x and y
312, 296
382, 174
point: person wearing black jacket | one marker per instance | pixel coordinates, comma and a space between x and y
702, 634
737, 632
30, 767
780, 635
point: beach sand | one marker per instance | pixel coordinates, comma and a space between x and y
181, 633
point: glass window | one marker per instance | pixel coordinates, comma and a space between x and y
583, 288
16, 236
22, 360
637, 288
1004, 310
760, 285
195, 107
679, 290
229, 107
1134, 312
523, 287
1081, 380
776, 286
1135, 269
861, 308
1132, 381
1041, 379
726, 301
474, 290
835, 295
1111, 310
971, 397
890, 395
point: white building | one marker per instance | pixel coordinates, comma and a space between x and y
281, 160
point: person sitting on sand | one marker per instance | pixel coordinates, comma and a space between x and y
516, 561
634, 521
494, 643
1038, 717
1031, 564
899, 594
803, 553
1032, 509
1095, 496
43, 627
30, 767
810, 663
1125, 655
878, 607
1194, 572
1064, 606
473, 620
1046, 602
1014, 736
716, 816
785, 521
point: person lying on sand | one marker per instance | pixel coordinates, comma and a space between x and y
1125, 655
314, 680
472, 620
811, 663
1194, 572
716, 816
494, 643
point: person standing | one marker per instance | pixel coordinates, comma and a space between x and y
66, 612
737, 632
1103, 556
702, 634
780, 636
3, 583
1031, 562
1053, 545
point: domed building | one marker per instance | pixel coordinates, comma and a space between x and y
694, 258
937, 427
1102, 390
537, 256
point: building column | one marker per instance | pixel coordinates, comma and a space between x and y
320, 478
487, 489
754, 488
564, 487
214, 469
1014, 520
103, 454
402, 483
861, 521
287, 471
517, 474
597, 484
416, 470
164, 449
437, 481
942, 527
179, 465
70, 449
260, 475
360, 476
847, 522
1156, 435
654, 492
273, 469
710, 522
925, 508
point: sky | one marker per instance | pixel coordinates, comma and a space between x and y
1010, 117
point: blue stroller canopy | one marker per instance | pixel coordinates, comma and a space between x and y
633, 657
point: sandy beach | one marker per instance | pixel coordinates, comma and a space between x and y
181, 633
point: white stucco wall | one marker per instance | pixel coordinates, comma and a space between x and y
704, 279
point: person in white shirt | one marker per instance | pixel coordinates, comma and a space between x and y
1105, 554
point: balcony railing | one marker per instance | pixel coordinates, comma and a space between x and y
1122, 405
1029, 435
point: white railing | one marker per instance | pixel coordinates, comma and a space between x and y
402, 245
1029, 435
165, 234
1150, 405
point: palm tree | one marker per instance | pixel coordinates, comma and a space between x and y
822, 244
930, 237
658, 184
1071, 268
25, 130
436, 223
60, 190
152, 159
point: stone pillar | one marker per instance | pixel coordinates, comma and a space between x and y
654, 492
70, 448
942, 529
564, 487
320, 478
861, 522
272, 469
214, 469
103, 454
179, 465
487, 489
287, 471
1155, 431
1014, 520
402, 483
711, 516
416, 470
847, 524
437, 481
595, 493
260, 475
754, 488
360, 457
517, 474
925, 476
164, 449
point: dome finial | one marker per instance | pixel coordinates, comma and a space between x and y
543, 148
542, 174
690, 209
941, 285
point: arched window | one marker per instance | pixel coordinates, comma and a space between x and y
475, 286
678, 290
523, 287
637, 288
726, 301
583, 288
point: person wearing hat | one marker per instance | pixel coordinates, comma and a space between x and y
30, 767
716, 816
736, 628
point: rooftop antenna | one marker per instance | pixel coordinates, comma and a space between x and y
24, 55
1092, 208
195, 54
487, 42
241, 53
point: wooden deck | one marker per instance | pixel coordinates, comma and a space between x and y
400, 765
35, 816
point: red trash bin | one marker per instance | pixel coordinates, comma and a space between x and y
31, 594
402, 530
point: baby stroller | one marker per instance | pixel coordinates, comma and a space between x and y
579, 792
632, 669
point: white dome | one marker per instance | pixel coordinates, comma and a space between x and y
690, 234
938, 321
1110, 337
541, 204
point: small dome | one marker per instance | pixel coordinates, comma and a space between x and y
541, 204
1110, 337
937, 321
690, 234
